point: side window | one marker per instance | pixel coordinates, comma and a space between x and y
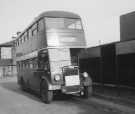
22, 38
30, 33
43, 59
26, 35
24, 66
18, 66
40, 25
46, 65
27, 65
31, 65
34, 29
21, 65
35, 64
34, 32
17, 42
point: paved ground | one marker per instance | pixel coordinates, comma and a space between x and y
15, 101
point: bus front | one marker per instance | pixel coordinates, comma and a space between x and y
65, 38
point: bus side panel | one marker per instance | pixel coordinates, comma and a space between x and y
33, 41
35, 80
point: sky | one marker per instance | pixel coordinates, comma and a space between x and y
100, 17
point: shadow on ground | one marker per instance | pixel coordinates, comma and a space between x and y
14, 87
61, 100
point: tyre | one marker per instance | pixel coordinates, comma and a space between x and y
87, 92
46, 95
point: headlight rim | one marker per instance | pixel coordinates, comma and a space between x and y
57, 77
85, 74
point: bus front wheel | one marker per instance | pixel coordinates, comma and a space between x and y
46, 95
87, 92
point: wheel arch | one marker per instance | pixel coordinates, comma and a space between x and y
44, 79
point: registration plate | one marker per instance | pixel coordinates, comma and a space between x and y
72, 80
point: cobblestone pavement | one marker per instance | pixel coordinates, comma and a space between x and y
15, 101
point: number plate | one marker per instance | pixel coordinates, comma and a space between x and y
72, 80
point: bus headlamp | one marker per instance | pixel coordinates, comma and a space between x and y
85, 74
57, 77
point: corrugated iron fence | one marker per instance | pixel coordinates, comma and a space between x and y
113, 74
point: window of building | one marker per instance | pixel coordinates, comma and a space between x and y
6, 53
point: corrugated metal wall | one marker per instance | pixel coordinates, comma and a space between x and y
113, 72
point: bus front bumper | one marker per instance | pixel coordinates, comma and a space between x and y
67, 89
54, 87
71, 89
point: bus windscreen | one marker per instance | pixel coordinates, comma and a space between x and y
63, 23
64, 32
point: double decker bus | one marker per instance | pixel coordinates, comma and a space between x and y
47, 56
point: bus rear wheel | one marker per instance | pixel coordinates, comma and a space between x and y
46, 95
22, 86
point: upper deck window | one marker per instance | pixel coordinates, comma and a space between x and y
63, 23
40, 25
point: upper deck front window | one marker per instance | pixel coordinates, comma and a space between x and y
63, 23
65, 32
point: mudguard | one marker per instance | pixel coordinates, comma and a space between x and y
49, 85
46, 80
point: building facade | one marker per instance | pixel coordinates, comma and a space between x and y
7, 59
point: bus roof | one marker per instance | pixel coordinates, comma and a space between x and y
53, 14
58, 14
